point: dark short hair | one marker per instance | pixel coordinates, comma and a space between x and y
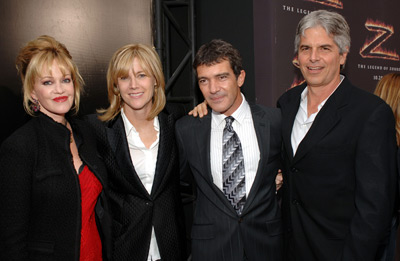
217, 51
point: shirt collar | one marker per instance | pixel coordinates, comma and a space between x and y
130, 128
239, 115
305, 92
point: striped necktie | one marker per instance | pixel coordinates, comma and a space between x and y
233, 173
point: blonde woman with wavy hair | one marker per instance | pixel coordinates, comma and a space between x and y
137, 137
52, 201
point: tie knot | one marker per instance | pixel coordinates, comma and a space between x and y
229, 121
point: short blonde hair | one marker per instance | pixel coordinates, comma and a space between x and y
388, 88
37, 54
119, 66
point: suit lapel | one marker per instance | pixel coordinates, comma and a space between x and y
119, 144
327, 118
203, 137
165, 147
262, 128
288, 116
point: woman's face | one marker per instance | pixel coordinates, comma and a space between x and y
54, 91
137, 89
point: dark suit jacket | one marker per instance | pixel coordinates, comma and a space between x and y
218, 233
340, 185
134, 210
40, 199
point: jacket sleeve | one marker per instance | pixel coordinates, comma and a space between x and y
16, 167
375, 177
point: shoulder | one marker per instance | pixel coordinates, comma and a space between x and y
291, 94
23, 139
266, 113
188, 122
177, 110
359, 98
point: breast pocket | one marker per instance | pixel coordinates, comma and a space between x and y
203, 231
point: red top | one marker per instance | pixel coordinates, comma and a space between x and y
90, 238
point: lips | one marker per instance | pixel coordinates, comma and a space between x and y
136, 94
312, 68
61, 99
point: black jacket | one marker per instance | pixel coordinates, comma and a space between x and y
340, 185
134, 210
40, 209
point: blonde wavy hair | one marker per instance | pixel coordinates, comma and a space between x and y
35, 56
119, 66
388, 88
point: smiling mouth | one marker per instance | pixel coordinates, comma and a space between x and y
60, 99
136, 94
314, 68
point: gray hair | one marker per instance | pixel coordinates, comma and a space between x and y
334, 25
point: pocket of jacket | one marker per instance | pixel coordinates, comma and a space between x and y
45, 173
274, 227
203, 231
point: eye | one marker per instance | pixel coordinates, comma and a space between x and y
67, 80
47, 82
222, 77
202, 81
141, 75
123, 78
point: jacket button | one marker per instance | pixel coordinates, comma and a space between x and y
295, 170
240, 220
295, 202
150, 204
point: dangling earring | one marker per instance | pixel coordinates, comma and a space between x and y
35, 105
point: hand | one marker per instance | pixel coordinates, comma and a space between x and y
279, 180
200, 110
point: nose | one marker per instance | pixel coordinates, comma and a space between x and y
58, 87
314, 56
132, 82
214, 86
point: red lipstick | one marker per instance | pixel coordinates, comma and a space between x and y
60, 99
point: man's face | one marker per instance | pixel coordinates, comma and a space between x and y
220, 87
319, 58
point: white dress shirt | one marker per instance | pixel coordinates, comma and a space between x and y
244, 127
144, 160
302, 122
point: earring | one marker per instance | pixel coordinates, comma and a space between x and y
35, 105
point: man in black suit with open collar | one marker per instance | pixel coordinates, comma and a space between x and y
238, 220
340, 152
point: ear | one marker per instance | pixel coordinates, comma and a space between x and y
241, 77
343, 57
33, 95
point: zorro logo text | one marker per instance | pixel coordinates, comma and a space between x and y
372, 48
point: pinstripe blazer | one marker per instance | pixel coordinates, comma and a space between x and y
218, 233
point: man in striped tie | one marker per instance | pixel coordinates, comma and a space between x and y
234, 154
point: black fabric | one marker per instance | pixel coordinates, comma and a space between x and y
339, 187
134, 210
40, 213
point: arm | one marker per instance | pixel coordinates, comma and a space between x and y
16, 164
375, 176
